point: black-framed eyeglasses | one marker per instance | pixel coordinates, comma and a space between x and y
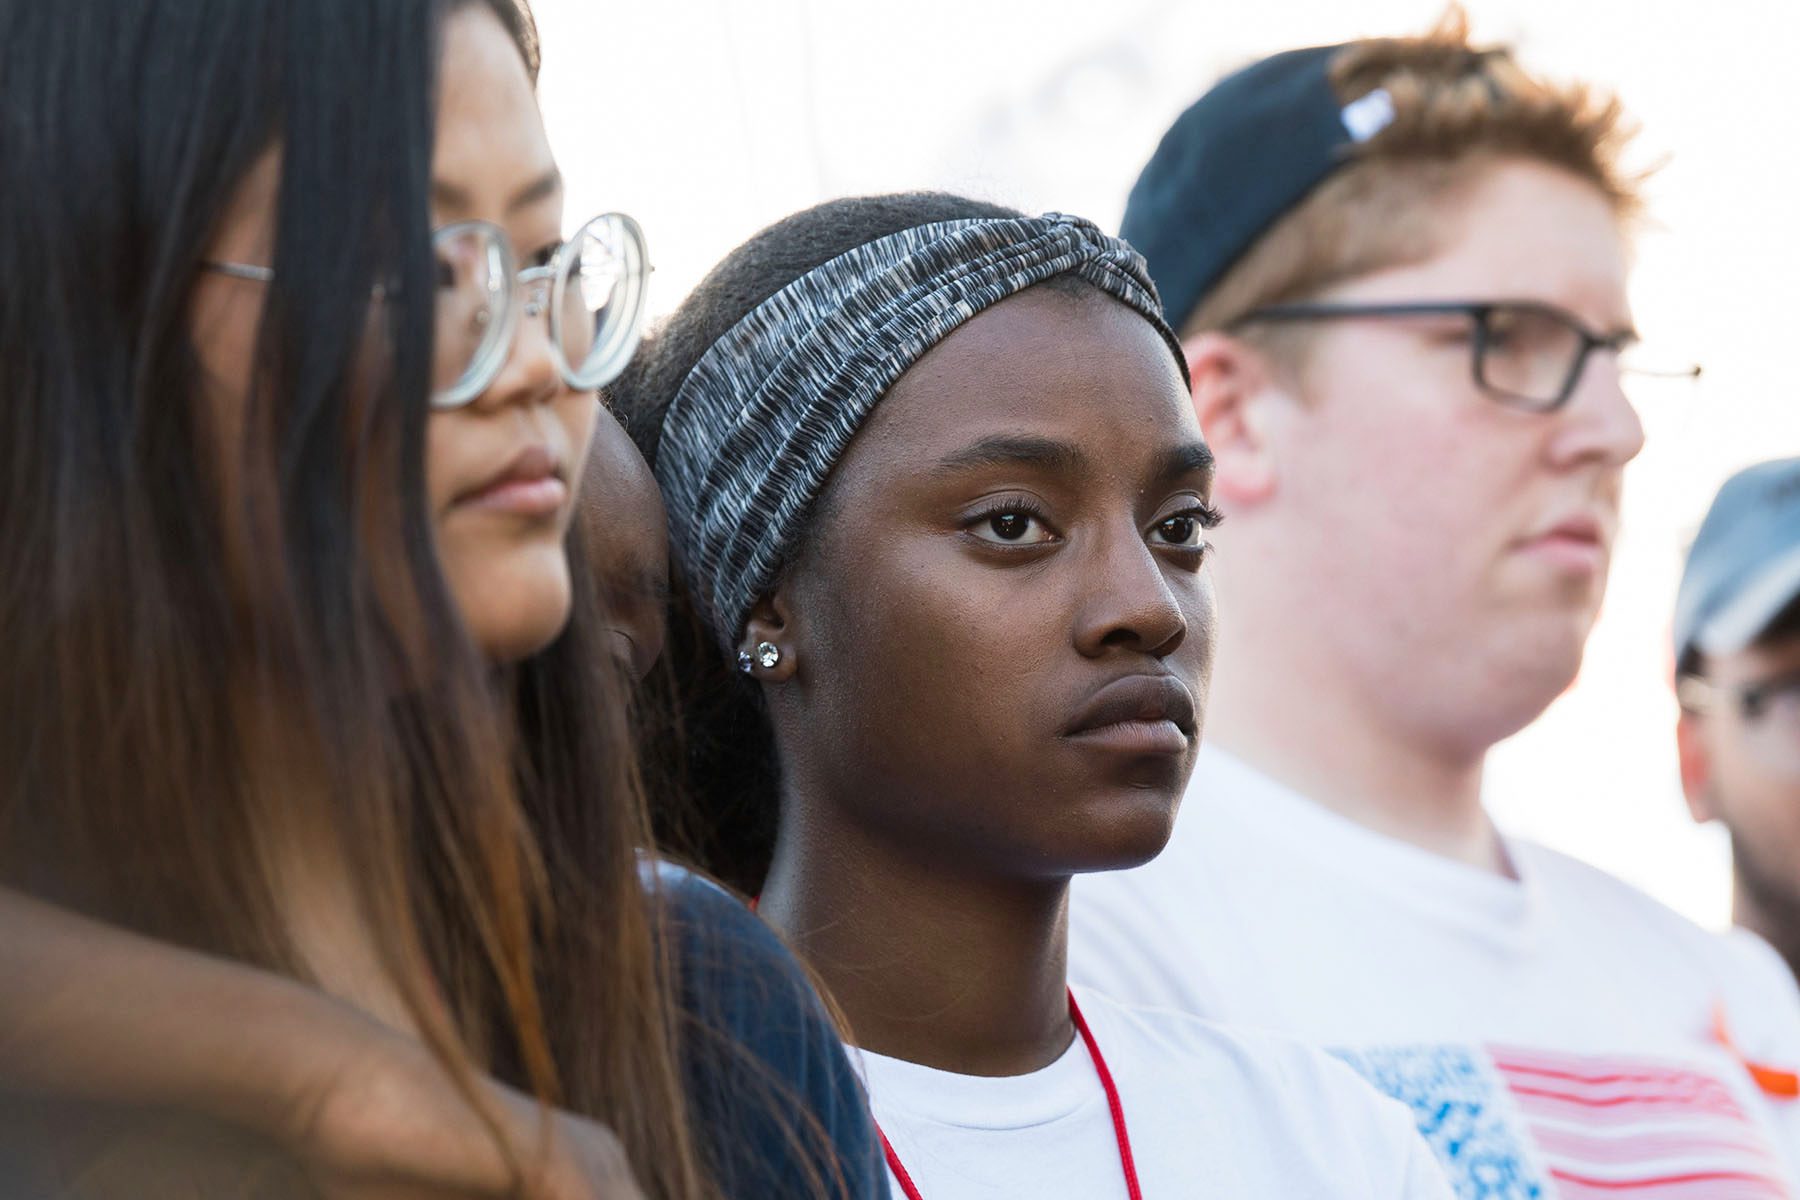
1753, 701
1769, 709
1523, 352
592, 291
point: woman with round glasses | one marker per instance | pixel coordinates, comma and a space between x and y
589, 291
322, 832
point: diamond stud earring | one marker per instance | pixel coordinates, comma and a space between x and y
767, 656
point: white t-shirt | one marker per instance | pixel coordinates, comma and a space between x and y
1554, 1034
1209, 1113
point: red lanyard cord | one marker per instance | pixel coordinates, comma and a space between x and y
1120, 1135
911, 1190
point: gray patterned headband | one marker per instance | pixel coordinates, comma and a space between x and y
771, 406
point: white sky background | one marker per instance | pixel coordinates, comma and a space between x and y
708, 119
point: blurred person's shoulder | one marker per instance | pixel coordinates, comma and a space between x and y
1741, 968
763, 1063
1577, 889
1762, 972
696, 903
1759, 957
730, 962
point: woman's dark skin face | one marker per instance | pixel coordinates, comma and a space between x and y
627, 534
1010, 551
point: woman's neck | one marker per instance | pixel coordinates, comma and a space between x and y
930, 961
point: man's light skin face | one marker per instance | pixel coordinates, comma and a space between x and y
1463, 544
1739, 770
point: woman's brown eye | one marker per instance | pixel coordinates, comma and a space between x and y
1010, 526
1182, 529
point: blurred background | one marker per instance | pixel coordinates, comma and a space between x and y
708, 119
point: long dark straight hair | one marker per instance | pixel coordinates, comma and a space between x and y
218, 622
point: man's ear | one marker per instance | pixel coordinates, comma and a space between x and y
1696, 767
1232, 385
771, 624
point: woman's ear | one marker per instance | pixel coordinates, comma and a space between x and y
768, 648
1232, 382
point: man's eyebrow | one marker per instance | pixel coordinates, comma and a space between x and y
449, 196
1014, 450
1189, 458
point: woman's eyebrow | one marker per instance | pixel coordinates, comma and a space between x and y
1189, 458
1014, 450
451, 198
541, 188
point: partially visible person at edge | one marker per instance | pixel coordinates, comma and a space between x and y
323, 837
1737, 676
938, 499
1399, 271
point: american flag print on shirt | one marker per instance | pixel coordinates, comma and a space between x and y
1511, 1123
1610, 1126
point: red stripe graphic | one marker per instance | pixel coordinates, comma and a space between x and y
1706, 1185
1570, 1144
1644, 1129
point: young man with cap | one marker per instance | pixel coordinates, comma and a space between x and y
1399, 272
1737, 654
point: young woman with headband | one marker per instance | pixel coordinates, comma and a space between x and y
936, 493
323, 836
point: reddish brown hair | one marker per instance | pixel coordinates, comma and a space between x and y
1457, 110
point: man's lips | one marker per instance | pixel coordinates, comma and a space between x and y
1138, 714
1579, 542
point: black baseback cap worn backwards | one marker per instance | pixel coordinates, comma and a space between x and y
1235, 162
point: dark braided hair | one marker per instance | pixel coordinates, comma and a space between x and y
708, 747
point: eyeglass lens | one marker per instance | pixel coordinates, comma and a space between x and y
598, 261
592, 304
472, 294
1528, 353
1771, 716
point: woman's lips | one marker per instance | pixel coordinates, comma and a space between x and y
523, 497
1134, 737
1139, 714
530, 485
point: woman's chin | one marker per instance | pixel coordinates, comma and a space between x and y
519, 608
1129, 831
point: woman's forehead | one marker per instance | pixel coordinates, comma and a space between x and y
491, 156
1070, 366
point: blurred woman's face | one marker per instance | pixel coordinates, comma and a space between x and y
502, 471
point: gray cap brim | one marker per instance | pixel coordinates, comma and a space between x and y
1757, 603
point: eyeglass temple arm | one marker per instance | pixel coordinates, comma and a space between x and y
240, 270
1691, 371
